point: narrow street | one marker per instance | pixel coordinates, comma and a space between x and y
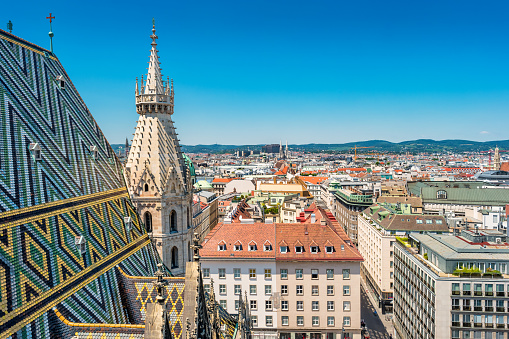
374, 324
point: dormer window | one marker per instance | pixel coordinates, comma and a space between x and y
93, 151
283, 249
441, 194
329, 249
35, 149
299, 249
221, 246
267, 247
252, 246
237, 246
342, 247
314, 249
60, 81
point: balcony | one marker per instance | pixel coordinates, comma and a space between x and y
467, 308
455, 307
500, 309
467, 325
456, 324
478, 293
500, 294
488, 309
488, 325
455, 292
354, 198
478, 308
477, 324
500, 325
489, 294
467, 292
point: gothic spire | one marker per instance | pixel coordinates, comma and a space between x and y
154, 77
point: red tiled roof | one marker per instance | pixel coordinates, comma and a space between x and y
303, 234
314, 180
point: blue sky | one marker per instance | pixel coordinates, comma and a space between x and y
256, 71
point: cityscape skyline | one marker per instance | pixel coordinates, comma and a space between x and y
396, 66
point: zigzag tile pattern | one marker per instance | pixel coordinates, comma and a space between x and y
76, 189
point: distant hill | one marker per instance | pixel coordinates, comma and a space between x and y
412, 146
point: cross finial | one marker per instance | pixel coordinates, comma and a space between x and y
50, 18
9, 26
153, 22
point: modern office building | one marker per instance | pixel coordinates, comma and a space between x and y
449, 286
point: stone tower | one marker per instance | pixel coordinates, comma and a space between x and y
158, 179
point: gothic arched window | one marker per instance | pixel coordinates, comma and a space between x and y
174, 257
173, 222
146, 188
147, 218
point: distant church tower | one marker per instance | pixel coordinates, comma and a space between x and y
496, 160
159, 180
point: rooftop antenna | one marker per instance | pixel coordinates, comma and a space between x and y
50, 31
9, 26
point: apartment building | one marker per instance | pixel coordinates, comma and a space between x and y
449, 286
379, 226
348, 204
302, 279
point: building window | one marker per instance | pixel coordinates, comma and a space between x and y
268, 273
299, 249
268, 305
238, 289
222, 289
346, 321
237, 247
330, 321
284, 320
148, 221
267, 247
284, 289
441, 194
252, 273
237, 302
174, 257
329, 249
206, 287
330, 289
221, 246
268, 289
314, 274
298, 273
254, 320
236, 273
284, 305
252, 247
316, 321
346, 290
330, 274
252, 289
300, 305
284, 274
330, 305
346, 274
222, 303
299, 290
315, 305
206, 272
300, 320
314, 290
283, 249
173, 222
222, 273
314, 249
346, 306
253, 304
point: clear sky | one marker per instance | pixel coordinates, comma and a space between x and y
257, 71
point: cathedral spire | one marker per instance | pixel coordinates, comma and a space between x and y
154, 77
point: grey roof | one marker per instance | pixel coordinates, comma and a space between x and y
414, 187
467, 196
456, 248
406, 222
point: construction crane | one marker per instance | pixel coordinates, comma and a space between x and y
355, 148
